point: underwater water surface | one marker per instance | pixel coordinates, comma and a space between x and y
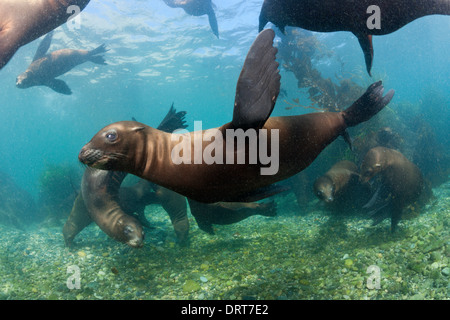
159, 55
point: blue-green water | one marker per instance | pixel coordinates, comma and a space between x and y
158, 56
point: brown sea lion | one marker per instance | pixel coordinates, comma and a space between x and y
336, 180
294, 141
46, 67
22, 21
197, 8
401, 183
364, 18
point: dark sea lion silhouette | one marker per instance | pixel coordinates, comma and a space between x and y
349, 15
147, 152
22, 21
197, 8
46, 67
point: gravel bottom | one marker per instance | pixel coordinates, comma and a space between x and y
293, 256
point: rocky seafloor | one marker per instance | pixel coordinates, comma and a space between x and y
296, 255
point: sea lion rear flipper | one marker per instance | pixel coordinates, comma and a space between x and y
368, 105
59, 86
173, 120
258, 85
347, 139
43, 46
365, 41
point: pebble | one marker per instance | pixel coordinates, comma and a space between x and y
203, 279
446, 271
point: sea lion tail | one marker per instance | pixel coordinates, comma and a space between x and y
95, 54
368, 105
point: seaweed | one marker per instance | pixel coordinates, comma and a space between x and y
57, 191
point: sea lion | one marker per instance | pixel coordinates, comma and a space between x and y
297, 140
223, 213
46, 67
350, 15
197, 8
401, 183
336, 180
22, 21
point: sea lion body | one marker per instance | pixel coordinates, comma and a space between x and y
335, 181
22, 21
293, 141
402, 182
45, 68
197, 8
349, 15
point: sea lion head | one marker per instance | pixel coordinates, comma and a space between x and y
130, 232
372, 164
113, 146
23, 80
324, 189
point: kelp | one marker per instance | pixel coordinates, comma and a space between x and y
58, 188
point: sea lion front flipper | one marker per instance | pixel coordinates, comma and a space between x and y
259, 194
43, 46
212, 19
258, 85
140, 216
365, 41
59, 86
201, 216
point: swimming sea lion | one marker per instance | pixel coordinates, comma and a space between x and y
46, 67
197, 8
22, 21
401, 182
350, 15
294, 141
336, 180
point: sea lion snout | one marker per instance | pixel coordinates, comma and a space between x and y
89, 156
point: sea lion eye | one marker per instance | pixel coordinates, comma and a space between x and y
128, 230
111, 135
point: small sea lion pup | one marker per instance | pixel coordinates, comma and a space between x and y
383, 16
197, 8
336, 181
22, 21
294, 141
46, 67
401, 183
